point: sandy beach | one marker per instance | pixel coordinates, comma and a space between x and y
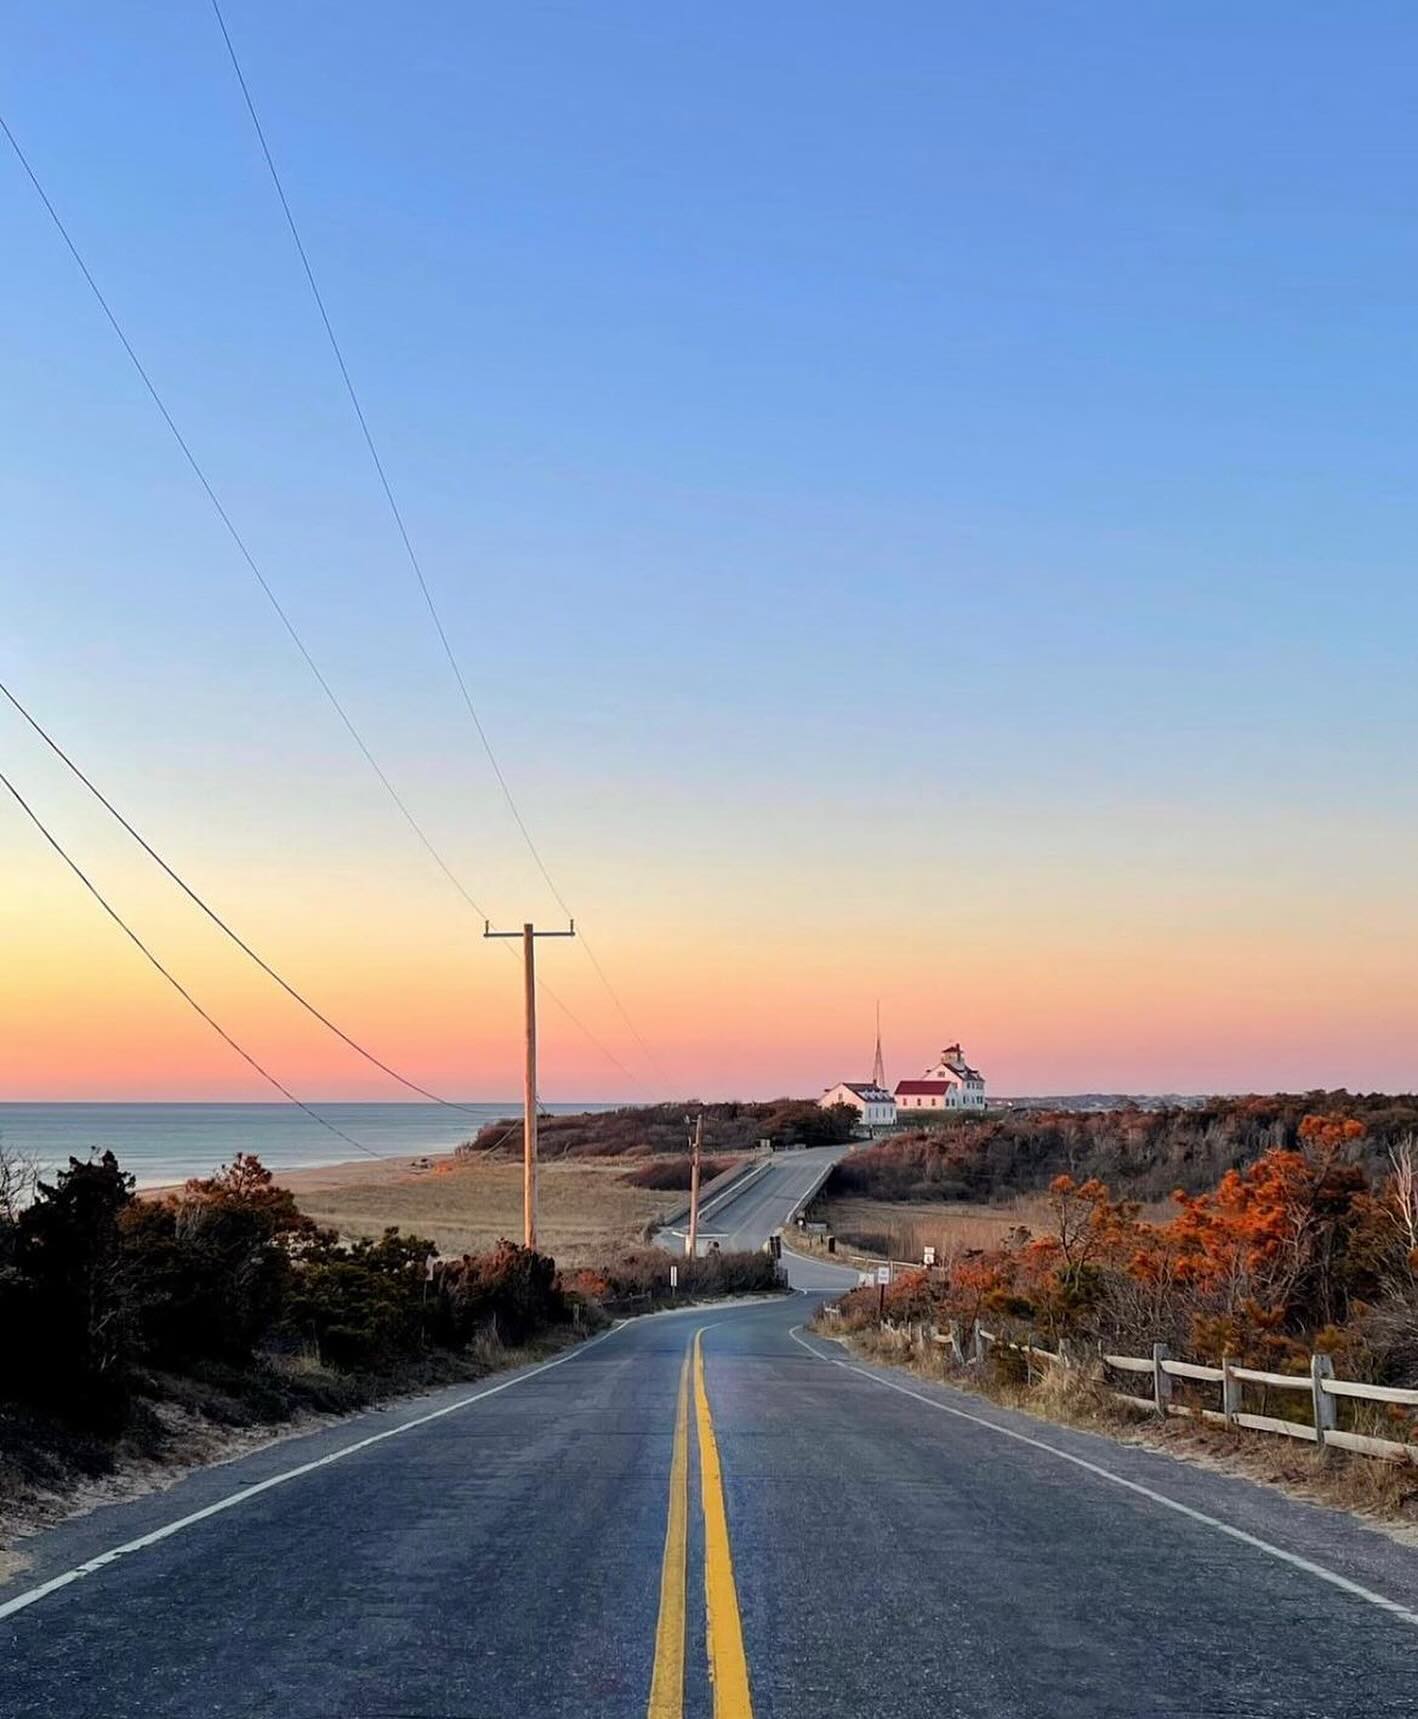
357, 1172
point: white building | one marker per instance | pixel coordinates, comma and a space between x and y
951, 1085
877, 1107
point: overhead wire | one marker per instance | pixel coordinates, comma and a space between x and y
172, 979
249, 559
407, 541
216, 918
226, 519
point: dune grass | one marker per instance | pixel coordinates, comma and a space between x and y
467, 1206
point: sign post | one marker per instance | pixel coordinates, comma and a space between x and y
883, 1277
674, 1278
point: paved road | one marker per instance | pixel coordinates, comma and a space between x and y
747, 1214
872, 1546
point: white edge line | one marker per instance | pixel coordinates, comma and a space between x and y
1279, 1552
20, 1601
9, 1607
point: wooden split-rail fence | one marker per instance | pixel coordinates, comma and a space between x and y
1322, 1393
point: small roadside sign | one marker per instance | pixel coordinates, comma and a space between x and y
883, 1274
674, 1277
927, 1256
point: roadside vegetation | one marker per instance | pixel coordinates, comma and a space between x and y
638, 1280
675, 1175
636, 1131
1303, 1250
132, 1327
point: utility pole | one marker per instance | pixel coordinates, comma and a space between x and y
529, 935
697, 1140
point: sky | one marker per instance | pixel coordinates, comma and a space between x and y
922, 495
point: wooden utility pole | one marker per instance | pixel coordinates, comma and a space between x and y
529, 935
692, 1239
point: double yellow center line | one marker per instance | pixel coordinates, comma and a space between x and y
728, 1664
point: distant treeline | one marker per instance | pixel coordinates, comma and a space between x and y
642, 1130
1142, 1154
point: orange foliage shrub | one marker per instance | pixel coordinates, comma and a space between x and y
1295, 1252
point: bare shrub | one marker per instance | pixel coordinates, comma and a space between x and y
672, 1175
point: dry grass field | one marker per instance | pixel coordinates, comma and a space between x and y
898, 1229
583, 1208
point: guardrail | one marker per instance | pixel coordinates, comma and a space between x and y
811, 1193
1319, 1385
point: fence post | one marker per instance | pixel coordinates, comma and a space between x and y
1161, 1379
1028, 1357
957, 1349
1321, 1367
1230, 1392
979, 1344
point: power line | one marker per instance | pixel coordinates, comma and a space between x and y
217, 919
614, 996
172, 980
226, 520
403, 531
581, 1027
378, 462
246, 555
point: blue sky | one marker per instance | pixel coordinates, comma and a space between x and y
999, 415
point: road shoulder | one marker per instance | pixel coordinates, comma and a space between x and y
1351, 1548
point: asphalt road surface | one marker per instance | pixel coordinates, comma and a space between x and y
580, 1538
745, 1215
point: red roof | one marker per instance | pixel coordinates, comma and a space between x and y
923, 1087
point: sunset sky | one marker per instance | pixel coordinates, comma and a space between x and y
923, 495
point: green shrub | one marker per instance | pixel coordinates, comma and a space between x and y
512, 1291
97, 1286
361, 1305
70, 1325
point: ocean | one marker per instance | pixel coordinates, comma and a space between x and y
159, 1143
